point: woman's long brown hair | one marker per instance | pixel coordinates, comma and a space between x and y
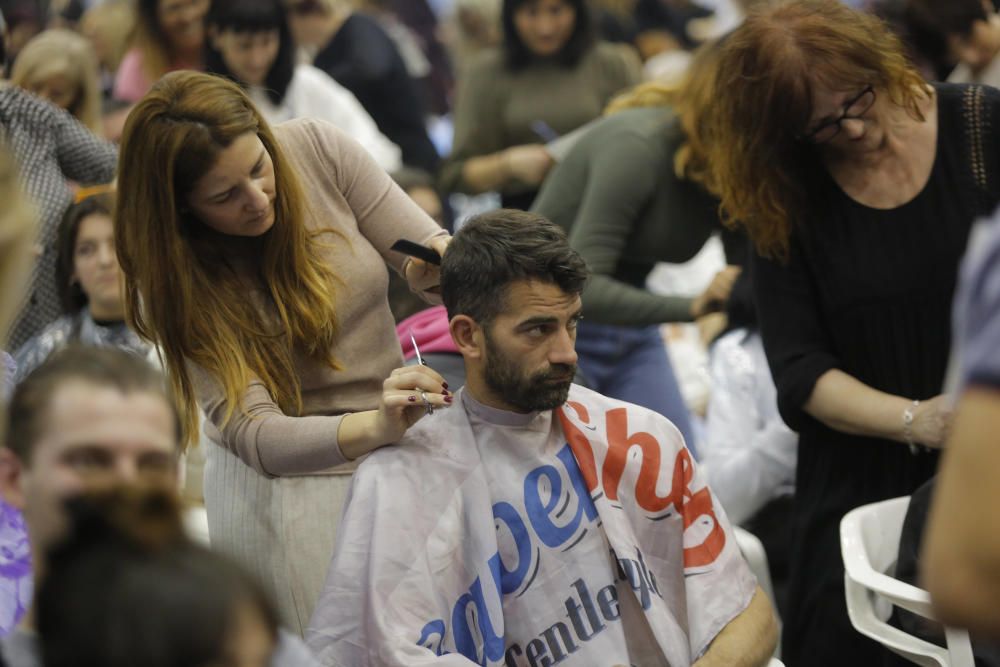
768, 70
181, 292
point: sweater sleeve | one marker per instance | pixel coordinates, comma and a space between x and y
623, 69
793, 329
263, 436
478, 113
622, 178
82, 155
383, 211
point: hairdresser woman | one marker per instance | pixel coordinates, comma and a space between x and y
857, 182
254, 257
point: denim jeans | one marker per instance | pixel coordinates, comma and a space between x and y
631, 364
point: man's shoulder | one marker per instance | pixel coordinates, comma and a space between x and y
438, 444
291, 651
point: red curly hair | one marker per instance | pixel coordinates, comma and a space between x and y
768, 70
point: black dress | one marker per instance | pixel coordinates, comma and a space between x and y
868, 292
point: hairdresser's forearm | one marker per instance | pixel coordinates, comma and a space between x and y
361, 433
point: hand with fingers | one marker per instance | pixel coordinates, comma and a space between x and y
409, 394
425, 278
716, 295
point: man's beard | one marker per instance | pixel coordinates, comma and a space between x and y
545, 390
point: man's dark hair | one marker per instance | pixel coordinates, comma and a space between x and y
951, 17
99, 366
493, 250
126, 586
518, 55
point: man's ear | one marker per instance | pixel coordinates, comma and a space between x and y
11, 478
468, 336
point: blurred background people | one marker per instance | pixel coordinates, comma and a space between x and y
90, 286
108, 26
60, 66
18, 226
549, 77
354, 49
50, 148
168, 35
858, 183
86, 420
126, 586
628, 194
249, 42
971, 31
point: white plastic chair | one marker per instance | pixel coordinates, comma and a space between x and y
869, 540
756, 557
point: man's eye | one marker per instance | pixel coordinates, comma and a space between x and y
87, 460
156, 465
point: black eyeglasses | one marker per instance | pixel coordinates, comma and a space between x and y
853, 109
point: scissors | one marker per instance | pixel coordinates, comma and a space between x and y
420, 360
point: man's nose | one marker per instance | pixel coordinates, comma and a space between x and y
563, 350
126, 471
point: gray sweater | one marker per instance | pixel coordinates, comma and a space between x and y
624, 208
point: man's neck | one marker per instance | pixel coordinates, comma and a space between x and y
478, 391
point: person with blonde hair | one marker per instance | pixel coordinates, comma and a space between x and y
857, 182
255, 259
629, 193
108, 25
60, 66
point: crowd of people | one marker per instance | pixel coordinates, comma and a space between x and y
475, 447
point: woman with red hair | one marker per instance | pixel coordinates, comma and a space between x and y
857, 182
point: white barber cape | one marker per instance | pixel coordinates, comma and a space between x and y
581, 536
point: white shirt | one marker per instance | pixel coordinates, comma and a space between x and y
312, 93
749, 454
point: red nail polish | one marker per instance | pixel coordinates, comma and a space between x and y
411, 399
444, 384
447, 399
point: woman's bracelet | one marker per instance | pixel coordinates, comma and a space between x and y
908, 415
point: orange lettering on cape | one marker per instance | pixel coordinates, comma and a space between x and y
691, 506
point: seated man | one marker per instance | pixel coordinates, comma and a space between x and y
85, 419
536, 522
